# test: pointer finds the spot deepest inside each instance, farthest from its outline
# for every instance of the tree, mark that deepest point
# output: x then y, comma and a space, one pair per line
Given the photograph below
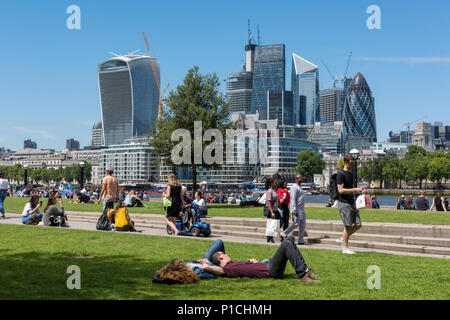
308, 164
415, 152
438, 169
197, 99
393, 171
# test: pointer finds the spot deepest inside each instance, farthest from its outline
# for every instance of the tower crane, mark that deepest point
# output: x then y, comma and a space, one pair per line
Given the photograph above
157, 81
344, 78
408, 126
331, 74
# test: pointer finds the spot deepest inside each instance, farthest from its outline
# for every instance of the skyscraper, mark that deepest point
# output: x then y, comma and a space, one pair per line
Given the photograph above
239, 91
97, 135
28, 144
305, 82
331, 104
129, 96
268, 75
280, 107
359, 112
72, 144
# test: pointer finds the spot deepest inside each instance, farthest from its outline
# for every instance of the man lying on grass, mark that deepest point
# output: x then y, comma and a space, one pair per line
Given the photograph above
275, 267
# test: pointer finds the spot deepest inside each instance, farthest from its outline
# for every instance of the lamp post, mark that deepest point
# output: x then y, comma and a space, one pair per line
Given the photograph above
82, 165
355, 155
25, 168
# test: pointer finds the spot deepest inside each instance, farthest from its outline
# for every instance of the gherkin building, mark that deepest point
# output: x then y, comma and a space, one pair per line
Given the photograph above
359, 111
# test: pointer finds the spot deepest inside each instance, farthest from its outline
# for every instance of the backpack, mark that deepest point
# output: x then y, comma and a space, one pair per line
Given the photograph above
334, 193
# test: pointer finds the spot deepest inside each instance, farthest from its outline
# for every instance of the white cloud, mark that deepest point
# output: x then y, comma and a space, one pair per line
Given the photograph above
411, 60
41, 133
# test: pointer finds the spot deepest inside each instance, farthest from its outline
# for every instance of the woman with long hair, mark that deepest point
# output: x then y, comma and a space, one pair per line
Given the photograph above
439, 202
52, 213
173, 191
31, 214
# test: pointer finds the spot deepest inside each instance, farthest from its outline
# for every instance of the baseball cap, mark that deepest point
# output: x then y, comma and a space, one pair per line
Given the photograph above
110, 169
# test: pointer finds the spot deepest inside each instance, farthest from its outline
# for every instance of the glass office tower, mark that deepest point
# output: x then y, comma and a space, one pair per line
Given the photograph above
359, 111
305, 82
268, 75
129, 97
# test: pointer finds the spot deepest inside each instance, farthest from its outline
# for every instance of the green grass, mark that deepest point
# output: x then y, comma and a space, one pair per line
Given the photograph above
16, 205
34, 261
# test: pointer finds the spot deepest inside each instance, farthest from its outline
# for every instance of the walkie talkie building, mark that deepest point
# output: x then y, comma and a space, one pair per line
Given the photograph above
129, 97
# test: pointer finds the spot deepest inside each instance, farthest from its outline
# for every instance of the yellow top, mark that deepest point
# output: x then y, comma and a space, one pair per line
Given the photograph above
121, 218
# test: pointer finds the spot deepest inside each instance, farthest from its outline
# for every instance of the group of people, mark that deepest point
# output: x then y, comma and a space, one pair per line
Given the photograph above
370, 201
50, 216
422, 203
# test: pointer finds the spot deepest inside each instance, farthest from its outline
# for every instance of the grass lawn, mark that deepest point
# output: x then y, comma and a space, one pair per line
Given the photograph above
16, 205
34, 261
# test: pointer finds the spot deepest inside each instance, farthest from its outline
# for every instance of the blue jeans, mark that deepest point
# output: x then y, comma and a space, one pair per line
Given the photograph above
31, 216
3, 194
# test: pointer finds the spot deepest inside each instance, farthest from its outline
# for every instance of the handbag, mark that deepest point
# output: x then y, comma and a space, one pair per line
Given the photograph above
167, 202
103, 223
272, 227
361, 202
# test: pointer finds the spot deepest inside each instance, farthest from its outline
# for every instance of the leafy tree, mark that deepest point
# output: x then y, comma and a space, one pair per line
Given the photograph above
198, 98
415, 152
393, 171
438, 169
309, 163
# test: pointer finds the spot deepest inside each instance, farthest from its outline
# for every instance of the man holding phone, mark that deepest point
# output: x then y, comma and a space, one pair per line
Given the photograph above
346, 203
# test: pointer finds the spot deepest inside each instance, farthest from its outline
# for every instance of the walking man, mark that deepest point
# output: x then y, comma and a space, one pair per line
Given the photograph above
346, 203
110, 190
5, 188
297, 207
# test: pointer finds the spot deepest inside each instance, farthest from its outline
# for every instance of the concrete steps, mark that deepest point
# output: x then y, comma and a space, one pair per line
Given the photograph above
410, 239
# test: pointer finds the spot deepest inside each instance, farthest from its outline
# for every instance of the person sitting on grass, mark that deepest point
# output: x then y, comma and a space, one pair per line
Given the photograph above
409, 204
274, 267
31, 214
374, 203
82, 198
131, 200
54, 217
122, 221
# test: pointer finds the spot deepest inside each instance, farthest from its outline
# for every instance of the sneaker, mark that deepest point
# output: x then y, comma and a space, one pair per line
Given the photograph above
308, 279
312, 273
339, 240
348, 251
3, 216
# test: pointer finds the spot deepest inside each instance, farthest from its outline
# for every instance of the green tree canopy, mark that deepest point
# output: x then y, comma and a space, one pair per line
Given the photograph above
198, 98
308, 164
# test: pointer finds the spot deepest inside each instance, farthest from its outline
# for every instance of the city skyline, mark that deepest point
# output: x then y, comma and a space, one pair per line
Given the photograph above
63, 101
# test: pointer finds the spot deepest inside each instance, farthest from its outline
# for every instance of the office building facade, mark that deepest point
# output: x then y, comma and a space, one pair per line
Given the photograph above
268, 75
280, 107
129, 97
28, 144
329, 136
331, 104
72, 144
305, 88
132, 161
97, 135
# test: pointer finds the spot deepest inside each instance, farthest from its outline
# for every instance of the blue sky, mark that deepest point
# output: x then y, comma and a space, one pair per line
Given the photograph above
49, 85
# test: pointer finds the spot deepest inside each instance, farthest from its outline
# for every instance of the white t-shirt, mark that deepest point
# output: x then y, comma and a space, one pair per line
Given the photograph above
128, 200
27, 209
201, 203
4, 184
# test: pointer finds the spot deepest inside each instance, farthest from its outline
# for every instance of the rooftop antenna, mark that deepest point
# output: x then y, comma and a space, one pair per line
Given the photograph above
114, 54
249, 33
259, 35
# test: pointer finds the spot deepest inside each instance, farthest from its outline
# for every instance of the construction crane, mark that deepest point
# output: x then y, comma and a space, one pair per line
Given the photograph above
161, 94
408, 126
344, 78
331, 74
